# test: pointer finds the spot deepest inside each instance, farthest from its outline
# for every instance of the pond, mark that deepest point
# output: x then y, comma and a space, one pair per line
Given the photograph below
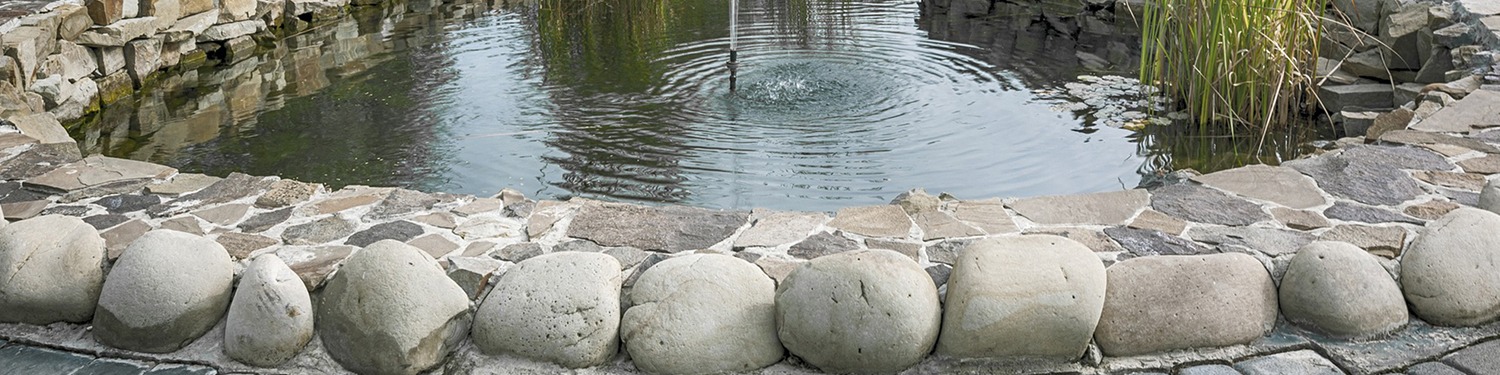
834, 103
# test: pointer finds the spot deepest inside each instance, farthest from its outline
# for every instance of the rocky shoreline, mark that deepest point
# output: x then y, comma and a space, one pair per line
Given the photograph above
1376, 256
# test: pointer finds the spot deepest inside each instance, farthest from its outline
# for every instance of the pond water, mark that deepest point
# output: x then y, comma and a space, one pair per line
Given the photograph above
835, 103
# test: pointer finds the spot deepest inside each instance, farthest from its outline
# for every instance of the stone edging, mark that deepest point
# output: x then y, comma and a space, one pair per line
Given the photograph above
1231, 268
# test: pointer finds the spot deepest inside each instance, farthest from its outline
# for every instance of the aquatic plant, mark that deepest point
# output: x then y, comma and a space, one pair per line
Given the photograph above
1244, 63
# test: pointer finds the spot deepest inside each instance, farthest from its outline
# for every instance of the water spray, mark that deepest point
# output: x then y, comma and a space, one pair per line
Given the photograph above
734, 53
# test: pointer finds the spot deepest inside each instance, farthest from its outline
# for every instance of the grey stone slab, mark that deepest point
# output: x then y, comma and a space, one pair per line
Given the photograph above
1480, 109
102, 222
1093, 238
1208, 370
1483, 358
317, 232
400, 230
98, 174
1271, 241
39, 160
122, 203
1146, 242
1413, 137
1455, 180
1385, 241
400, 202
1299, 219
947, 251
1364, 181
23, 210
1367, 214
1111, 208
578, 245
265, 220
22, 359
1433, 368
674, 228
1280, 185
183, 183
939, 273
1342, 97
1205, 205
105, 366
236, 186
987, 214
874, 221
1403, 157
1305, 362
176, 369
1419, 342
66, 210
820, 244
778, 228
939, 225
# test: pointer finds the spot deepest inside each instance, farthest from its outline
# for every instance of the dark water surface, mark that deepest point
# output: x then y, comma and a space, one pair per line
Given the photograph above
837, 103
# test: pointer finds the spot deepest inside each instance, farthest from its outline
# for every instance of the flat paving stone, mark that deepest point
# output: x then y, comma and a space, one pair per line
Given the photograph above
102, 222
319, 231
673, 229
1419, 342
122, 203
437, 219
314, 264
1364, 181
1271, 241
71, 210
875, 221
400, 202
479, 206
820, 244
332, 205
183, 183
1462, 181
1414, 138
1433, 368
1092, 238
100, 173
1384, 241
1430, 210
947, 251
107, 366
939, 225
1146, 242
21, 359
265, 220
1403, 157
1367, 214
185, 224
779, 228
175, 369
1205, 205
400, 230
223, 215
1303, 362
23, 210
1299, 219
117, 238
986, 214
909, 249
1472, 112
1280, 185
236, 186
1208, 370
434, 244
38, 160
1150, 219
1483, 358
1111, 208
241, 245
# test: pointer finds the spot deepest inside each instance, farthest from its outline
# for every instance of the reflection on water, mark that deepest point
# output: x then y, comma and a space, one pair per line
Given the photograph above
838, 103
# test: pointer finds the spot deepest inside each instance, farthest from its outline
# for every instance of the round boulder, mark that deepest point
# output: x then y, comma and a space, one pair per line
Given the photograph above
561, 307
166, 289
53, 267
1162, 303
1024, 296
1340, 289
1489, 196
270, 318
702, 314
862, 311
391, 310
1451, 273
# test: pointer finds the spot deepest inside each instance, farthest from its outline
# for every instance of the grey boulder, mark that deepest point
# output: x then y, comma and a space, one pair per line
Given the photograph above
700, 314
1451, 273
862, 311
53, 267
270, 318
391, 310
1340, 289
166, 289
1162, 303
561, 307
1025, 296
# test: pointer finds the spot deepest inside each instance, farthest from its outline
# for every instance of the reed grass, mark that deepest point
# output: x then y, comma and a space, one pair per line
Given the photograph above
1244, 63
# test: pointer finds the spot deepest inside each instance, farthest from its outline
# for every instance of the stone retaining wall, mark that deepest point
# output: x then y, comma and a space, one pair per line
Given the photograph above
1374, 257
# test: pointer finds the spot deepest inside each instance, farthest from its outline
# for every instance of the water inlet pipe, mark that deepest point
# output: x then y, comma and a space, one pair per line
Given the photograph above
734, 53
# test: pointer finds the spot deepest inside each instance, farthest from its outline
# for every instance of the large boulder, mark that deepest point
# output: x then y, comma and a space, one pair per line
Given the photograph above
561, 307
1026, 296
701, 314
1161, 303
391, 310
1451, 273
53, 267
167, 289
863, 311
1340, 289
270, 318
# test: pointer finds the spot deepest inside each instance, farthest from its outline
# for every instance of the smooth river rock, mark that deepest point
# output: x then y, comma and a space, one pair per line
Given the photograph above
270, 318
1451, 272
391, 310
53, 267
1025, 296
1163, 303
167, 289
702, 314
1340, 289
1489, 197
863, 311
560, 307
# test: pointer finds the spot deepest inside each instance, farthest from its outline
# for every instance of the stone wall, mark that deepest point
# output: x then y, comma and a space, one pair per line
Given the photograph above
1374, 257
